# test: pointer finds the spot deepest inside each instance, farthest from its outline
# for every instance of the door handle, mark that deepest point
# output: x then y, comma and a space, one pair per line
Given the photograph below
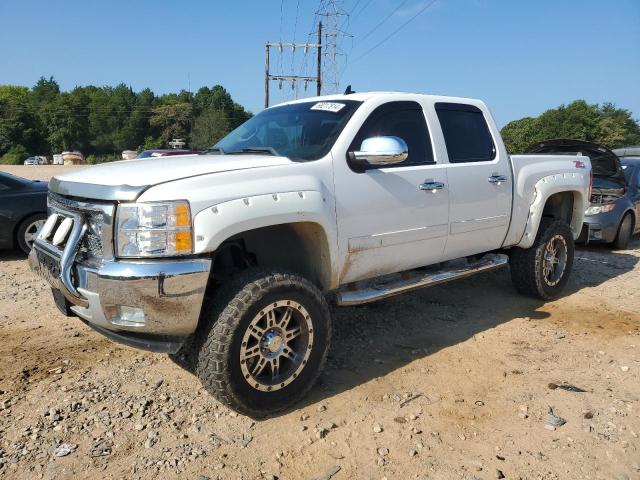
431, 186
497, 179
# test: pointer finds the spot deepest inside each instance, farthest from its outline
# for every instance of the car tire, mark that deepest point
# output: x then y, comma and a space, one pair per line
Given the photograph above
263, 341
27, 230
542, 271
625, 231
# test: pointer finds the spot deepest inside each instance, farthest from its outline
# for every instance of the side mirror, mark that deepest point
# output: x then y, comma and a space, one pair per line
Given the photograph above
380, 151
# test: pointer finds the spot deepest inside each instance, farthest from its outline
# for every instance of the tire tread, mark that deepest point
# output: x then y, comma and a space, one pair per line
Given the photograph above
526, 262
221, 317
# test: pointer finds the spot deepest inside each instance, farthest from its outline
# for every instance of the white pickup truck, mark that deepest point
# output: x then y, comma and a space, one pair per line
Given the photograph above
229, 260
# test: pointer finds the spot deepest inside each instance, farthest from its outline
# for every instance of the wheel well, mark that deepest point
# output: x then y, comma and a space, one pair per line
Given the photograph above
565, 206
633, 219
299, 247
559, 206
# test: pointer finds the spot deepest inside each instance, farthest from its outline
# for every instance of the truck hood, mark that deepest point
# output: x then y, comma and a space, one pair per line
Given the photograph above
126, 180
604, 163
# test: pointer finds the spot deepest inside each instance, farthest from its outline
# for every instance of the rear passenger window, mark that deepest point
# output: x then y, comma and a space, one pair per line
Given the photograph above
399, 119
466, 133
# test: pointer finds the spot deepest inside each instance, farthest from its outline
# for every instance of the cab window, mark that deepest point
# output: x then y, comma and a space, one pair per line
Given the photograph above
466, 133
399, 119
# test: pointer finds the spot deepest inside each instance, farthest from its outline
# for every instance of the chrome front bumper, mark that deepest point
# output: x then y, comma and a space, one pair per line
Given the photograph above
167, 294
153, 304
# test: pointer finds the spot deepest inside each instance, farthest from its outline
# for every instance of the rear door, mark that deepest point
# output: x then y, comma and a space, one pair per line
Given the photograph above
480, 182
395, 217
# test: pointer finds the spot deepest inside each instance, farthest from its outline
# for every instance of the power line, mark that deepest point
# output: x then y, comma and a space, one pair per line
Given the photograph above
295, 31
384, 20
293, 80
312, 31
354, 7
361, 10
280, 38
422, 10
281, 15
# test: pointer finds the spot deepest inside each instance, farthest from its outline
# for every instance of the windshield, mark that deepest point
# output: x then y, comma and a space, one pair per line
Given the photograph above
299, 131
144, 155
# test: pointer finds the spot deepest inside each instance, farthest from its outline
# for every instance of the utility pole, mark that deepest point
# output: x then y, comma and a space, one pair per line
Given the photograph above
319, 74
293, 79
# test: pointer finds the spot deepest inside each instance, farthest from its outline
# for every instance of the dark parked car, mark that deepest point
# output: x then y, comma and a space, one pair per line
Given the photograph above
630, 151
164, 152
23, 210
615, 195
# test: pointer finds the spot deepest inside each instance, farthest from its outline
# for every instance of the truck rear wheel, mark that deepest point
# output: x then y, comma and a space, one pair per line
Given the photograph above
543, 269
264, 343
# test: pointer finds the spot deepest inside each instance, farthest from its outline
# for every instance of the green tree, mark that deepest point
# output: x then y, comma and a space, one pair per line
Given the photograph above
604, 124
61, 127
173, 120
15, 156
45, 90
208, 128
18, 124
102, 121
519, 134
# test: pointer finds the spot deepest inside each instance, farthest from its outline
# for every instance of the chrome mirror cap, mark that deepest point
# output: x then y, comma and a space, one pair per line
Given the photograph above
380, 151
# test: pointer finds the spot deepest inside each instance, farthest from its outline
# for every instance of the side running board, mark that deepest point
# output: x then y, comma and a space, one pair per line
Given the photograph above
395, 284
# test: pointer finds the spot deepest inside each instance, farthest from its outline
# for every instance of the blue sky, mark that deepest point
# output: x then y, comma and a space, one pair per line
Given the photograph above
521, 57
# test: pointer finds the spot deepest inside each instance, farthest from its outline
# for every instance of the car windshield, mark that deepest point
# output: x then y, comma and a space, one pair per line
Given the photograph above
144, 155
299, 131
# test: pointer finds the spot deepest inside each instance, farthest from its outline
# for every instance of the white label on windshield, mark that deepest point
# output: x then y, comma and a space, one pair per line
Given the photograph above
328, 106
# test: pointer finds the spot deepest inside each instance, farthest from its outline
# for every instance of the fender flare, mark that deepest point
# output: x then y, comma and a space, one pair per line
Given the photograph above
545, 188
215, 224
219, 222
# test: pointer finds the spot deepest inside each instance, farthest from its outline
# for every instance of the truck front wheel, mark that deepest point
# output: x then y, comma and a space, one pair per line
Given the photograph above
543, 269
264, 342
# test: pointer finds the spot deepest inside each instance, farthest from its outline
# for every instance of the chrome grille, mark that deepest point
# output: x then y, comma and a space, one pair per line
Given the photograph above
94, 245
90, 245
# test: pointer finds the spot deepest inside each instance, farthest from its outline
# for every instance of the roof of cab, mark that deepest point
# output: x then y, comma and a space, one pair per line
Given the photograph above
364, 96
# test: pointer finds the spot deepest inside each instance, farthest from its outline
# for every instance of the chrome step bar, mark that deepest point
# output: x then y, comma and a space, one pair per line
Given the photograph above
378, 289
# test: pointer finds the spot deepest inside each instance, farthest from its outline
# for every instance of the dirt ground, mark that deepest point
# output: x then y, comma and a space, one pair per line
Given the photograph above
39, 172
451, 382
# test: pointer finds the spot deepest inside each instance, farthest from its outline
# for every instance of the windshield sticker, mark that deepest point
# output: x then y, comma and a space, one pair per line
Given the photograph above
328, 107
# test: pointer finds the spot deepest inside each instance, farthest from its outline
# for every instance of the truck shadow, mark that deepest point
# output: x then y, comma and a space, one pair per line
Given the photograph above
369, 341
9, 255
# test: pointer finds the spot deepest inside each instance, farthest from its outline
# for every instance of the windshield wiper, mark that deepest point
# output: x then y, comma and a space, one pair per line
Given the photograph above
269, 150
214, 149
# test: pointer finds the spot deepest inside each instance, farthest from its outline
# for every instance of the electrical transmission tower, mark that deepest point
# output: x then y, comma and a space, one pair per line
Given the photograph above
333, 14
293, 80
331, 20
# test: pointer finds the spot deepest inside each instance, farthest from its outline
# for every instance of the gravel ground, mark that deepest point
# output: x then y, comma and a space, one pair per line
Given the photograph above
453, 382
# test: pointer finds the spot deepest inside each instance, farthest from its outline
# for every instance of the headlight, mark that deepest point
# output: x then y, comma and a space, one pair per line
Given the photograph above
157, 229
596, 209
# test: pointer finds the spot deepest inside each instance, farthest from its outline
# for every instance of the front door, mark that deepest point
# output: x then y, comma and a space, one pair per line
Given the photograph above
396, 217
479, 182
